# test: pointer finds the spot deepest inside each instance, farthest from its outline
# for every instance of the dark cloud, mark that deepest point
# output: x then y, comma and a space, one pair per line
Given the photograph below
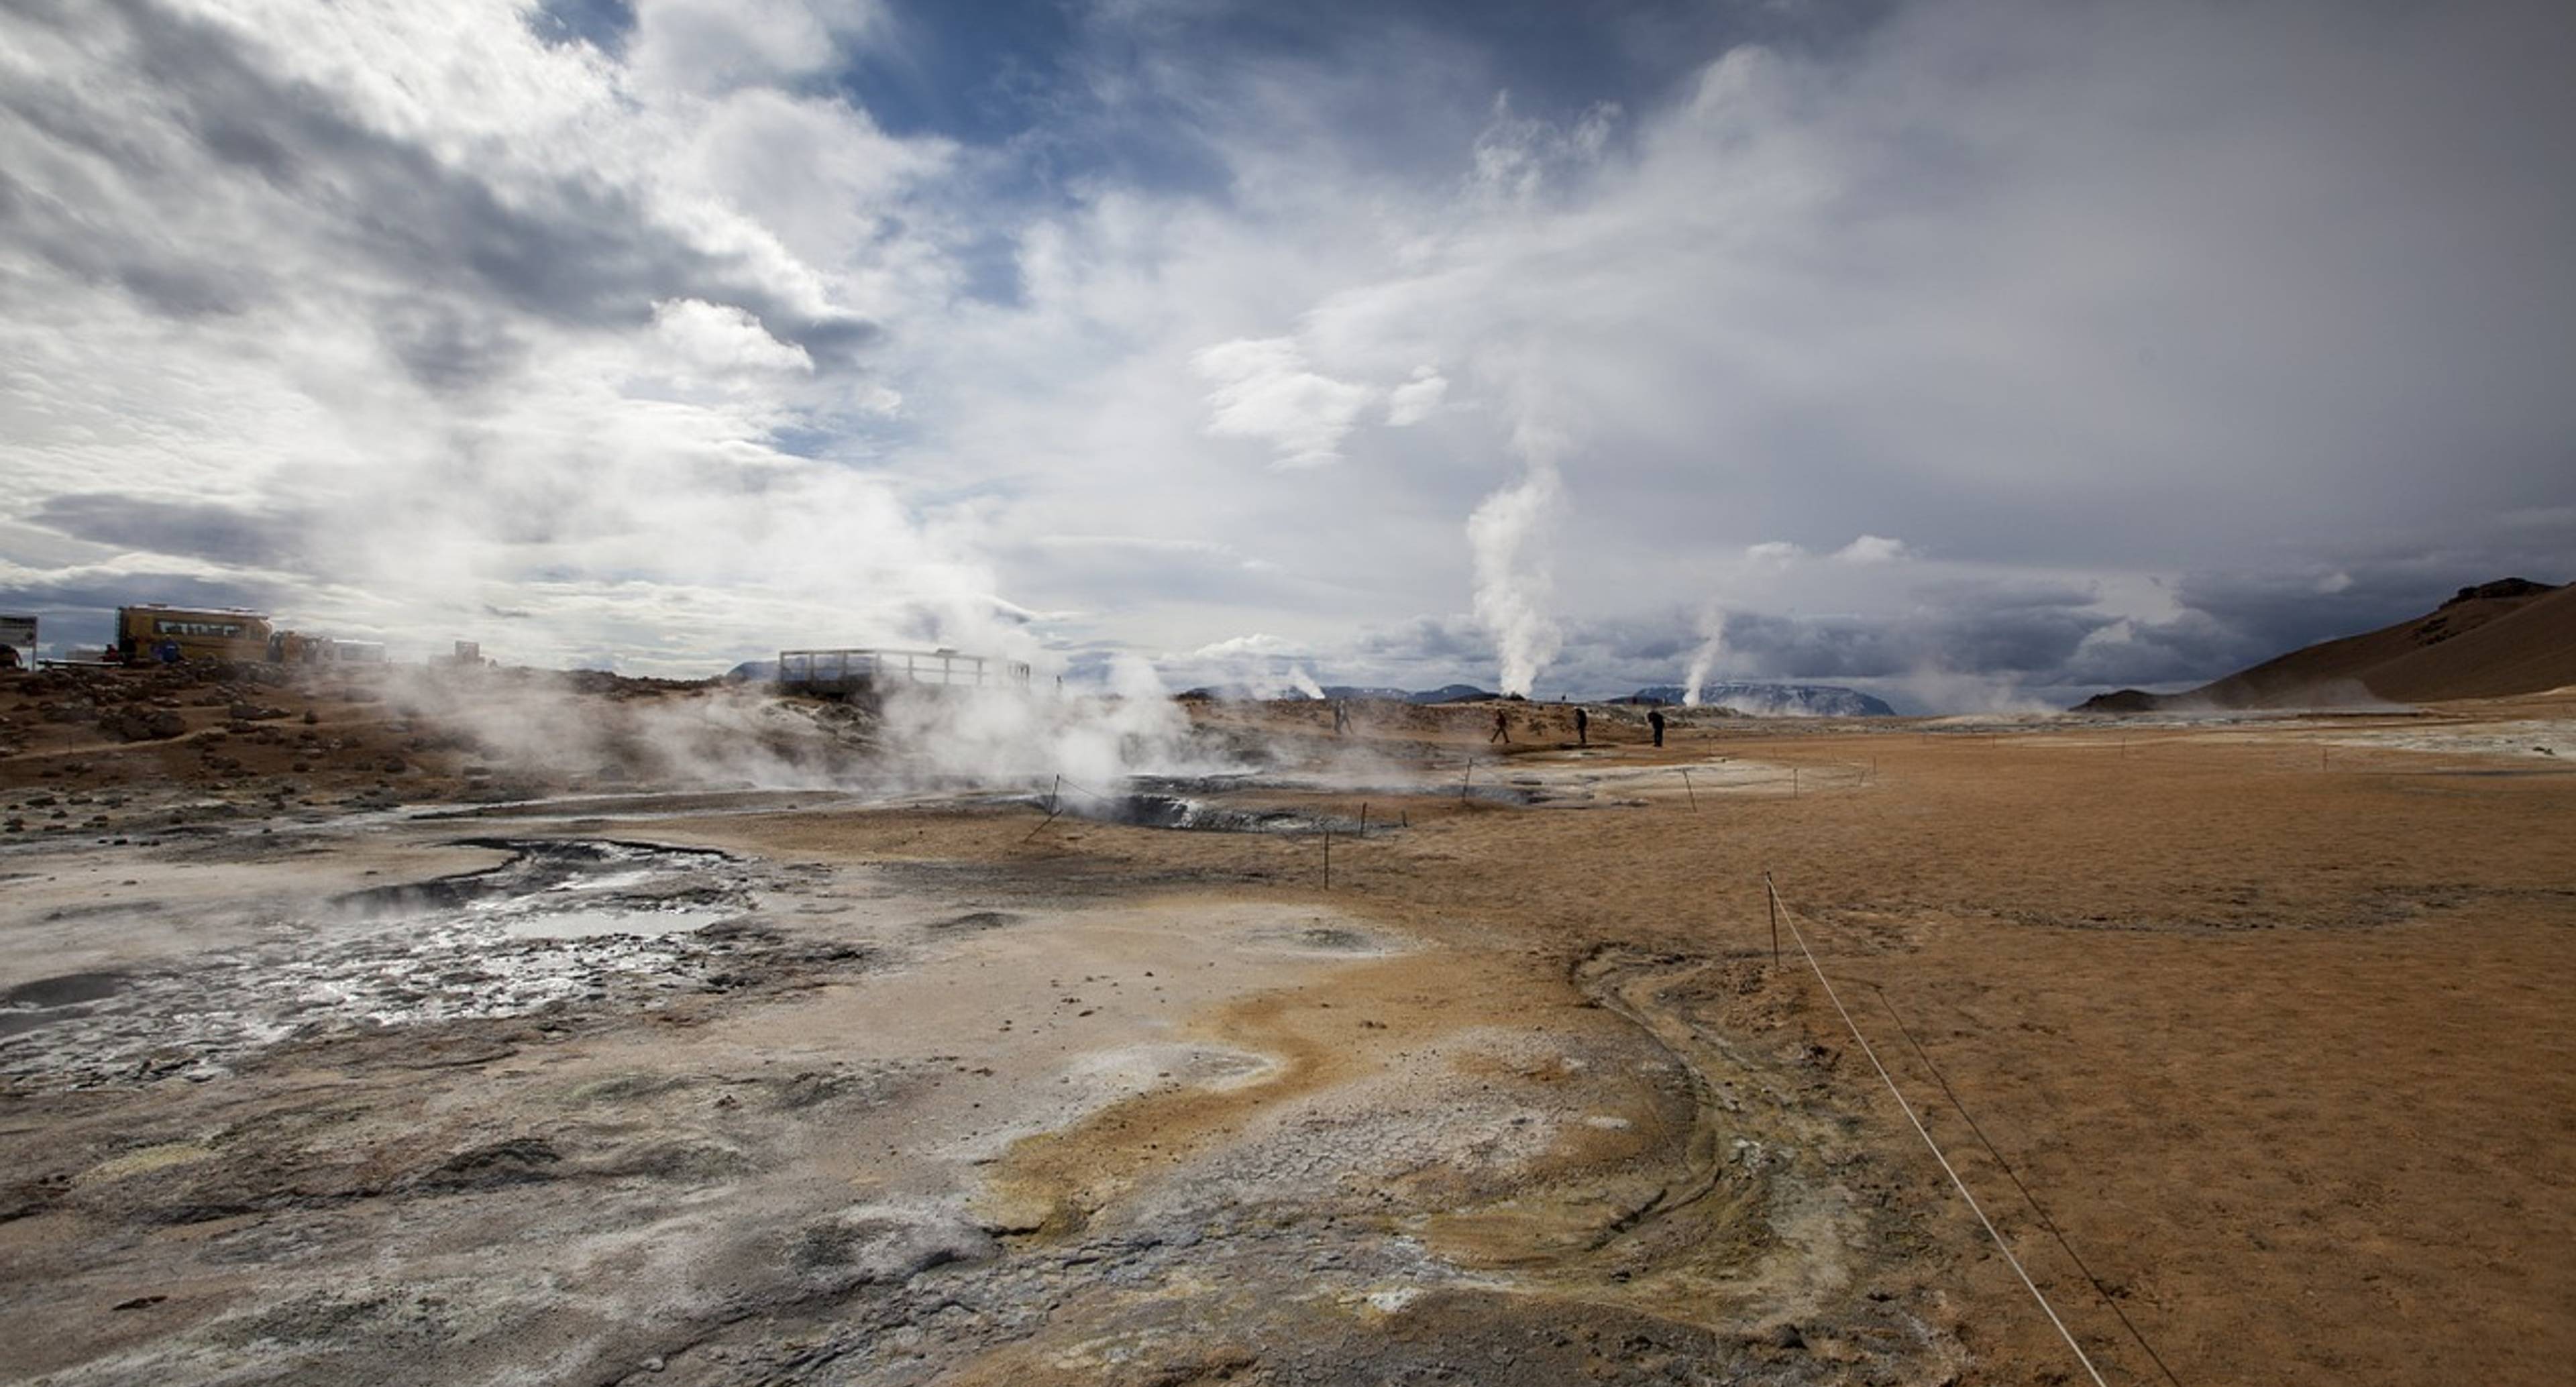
1427, 639
277, 539
578, 251
2278, 612
448, 349
80, 609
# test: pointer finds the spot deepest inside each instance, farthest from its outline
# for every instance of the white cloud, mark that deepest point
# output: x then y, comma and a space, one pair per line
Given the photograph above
1258, 644
1873, 549
1264, 390
1969, 275
721, 339
1417, 399
713, 46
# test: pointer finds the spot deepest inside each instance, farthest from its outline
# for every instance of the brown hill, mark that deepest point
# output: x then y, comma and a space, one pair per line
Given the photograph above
2512, 636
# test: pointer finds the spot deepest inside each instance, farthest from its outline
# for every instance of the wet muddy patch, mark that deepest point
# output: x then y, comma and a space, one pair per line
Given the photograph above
561, 924
1186, 814
1327, 941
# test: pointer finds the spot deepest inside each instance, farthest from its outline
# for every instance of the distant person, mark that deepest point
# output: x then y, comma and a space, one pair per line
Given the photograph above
1582, 729
1655, 720
8, 657
1341, 717
167, 652
1502, 728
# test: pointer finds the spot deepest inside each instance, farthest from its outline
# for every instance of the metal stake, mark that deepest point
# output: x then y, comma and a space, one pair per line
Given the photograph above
1772, 895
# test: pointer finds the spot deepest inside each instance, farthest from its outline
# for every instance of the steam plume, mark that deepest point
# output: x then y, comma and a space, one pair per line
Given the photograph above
1513, 580
1712, 630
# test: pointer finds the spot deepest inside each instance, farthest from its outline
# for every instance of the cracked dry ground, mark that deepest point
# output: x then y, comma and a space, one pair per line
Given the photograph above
1520, 1099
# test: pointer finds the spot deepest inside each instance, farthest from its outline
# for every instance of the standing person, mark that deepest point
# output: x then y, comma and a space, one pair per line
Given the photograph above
1655, 720
1582, 728
1502, 728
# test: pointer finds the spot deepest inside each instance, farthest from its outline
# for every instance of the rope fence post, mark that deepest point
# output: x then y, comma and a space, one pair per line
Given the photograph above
1771, 895
1686, 789
1328, 859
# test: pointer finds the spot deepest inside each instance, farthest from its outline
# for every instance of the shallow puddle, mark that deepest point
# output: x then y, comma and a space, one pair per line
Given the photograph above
596, 922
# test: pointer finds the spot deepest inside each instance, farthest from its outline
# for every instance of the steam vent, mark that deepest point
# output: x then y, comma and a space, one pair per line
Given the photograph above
1222, 693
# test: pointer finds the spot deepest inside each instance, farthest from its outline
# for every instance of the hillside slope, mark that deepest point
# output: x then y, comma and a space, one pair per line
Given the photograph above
2497, 639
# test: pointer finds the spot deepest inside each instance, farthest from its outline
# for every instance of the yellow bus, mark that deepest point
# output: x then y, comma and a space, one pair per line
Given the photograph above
197, 633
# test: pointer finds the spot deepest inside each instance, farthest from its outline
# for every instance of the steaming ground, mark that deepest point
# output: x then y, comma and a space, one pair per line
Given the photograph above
673, 1034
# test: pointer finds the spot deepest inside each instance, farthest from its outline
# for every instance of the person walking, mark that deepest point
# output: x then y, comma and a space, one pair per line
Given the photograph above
1502, 728
1582, 729
1655, 720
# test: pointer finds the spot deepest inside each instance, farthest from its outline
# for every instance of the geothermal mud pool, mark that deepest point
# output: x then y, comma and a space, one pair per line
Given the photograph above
561, 921
336, 1103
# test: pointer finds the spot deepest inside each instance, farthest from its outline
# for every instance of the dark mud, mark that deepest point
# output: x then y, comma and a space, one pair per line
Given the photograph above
589, 923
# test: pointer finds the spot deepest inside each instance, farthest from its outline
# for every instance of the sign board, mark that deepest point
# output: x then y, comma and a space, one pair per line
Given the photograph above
17, 630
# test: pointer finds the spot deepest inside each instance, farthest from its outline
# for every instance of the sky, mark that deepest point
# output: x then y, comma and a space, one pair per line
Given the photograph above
1975, 353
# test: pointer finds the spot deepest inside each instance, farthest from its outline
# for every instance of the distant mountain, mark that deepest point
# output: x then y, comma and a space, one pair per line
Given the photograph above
2511, 636
1451, 693
1356, 691
1242, 693
1774, 700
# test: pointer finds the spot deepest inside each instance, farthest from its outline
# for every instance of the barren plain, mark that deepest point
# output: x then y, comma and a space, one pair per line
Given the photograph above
336, 1048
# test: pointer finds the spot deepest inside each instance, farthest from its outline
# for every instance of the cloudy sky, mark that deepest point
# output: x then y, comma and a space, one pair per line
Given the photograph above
1966, 352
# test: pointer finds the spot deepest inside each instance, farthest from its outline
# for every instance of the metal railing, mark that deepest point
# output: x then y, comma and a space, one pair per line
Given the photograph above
862, 668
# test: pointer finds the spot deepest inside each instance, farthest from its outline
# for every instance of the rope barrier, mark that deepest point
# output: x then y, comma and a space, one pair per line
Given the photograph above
2015, 1176
1920, 1130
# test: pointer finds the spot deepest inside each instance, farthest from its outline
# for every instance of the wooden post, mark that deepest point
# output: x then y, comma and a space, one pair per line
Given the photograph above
1364, 818
1771, 896
1793, 782
1465, 779
1052, 791
1328, 859
1686, 789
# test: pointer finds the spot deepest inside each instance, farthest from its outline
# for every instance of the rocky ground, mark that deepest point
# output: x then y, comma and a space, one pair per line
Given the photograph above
542, 1057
